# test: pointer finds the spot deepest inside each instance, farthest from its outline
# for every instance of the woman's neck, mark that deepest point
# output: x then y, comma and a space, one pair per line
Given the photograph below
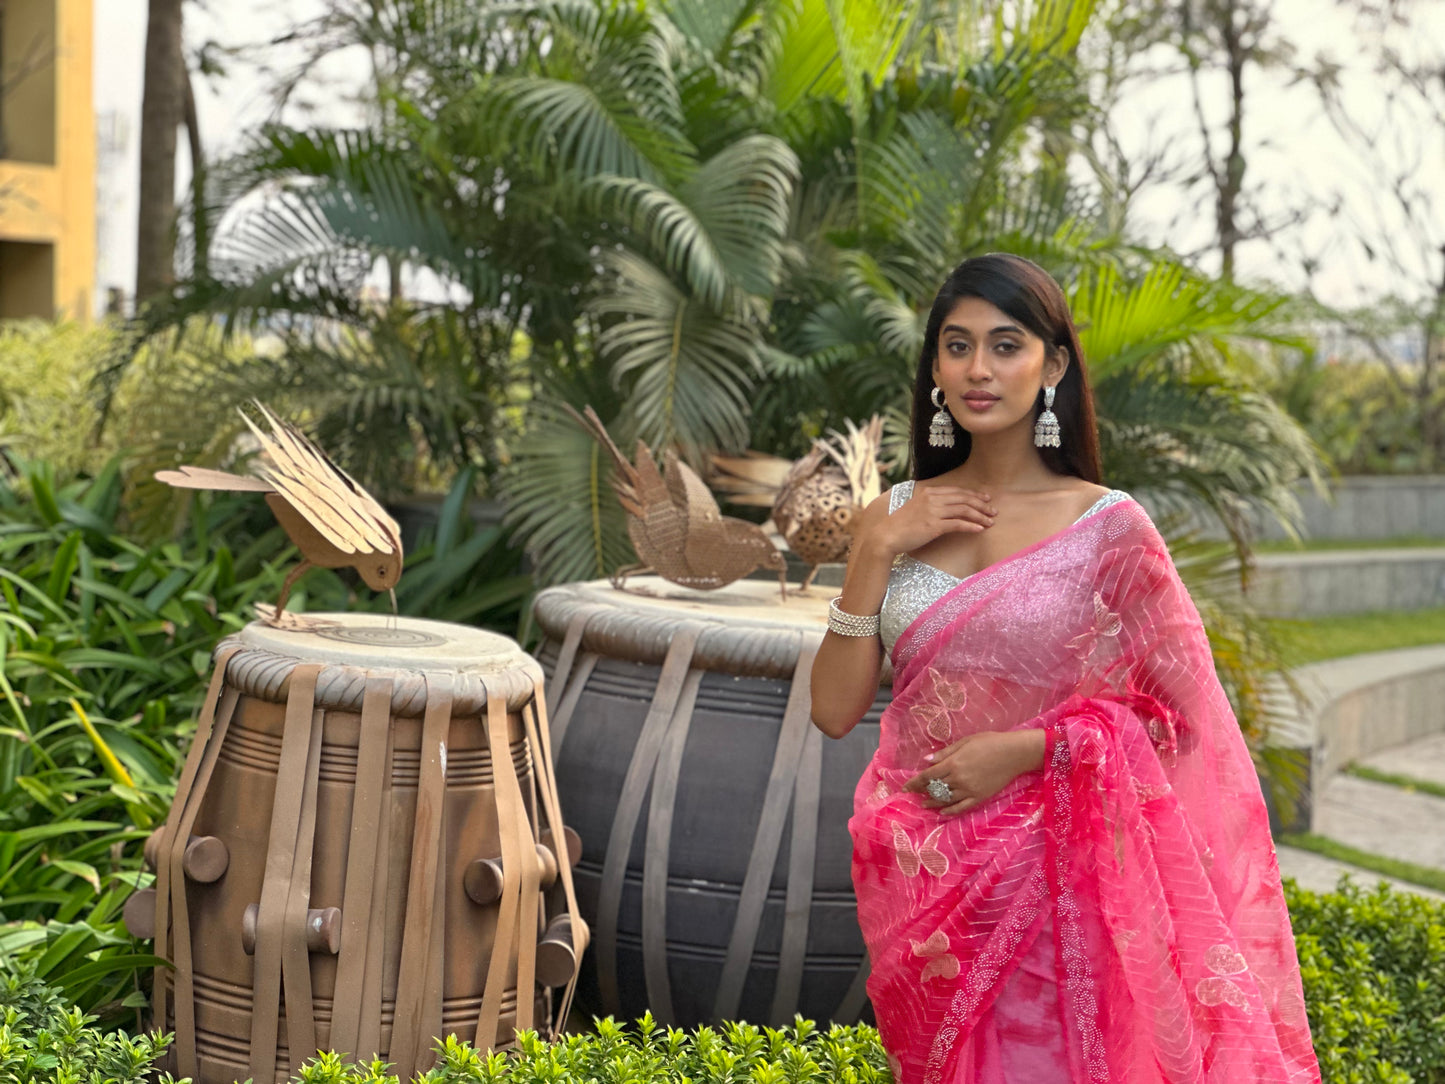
1003, 463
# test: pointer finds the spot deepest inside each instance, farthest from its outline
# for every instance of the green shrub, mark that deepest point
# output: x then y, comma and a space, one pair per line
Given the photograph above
1363, 413
104, 649
1373, 964
46, 405
648, 1054
51, 395
45, 1041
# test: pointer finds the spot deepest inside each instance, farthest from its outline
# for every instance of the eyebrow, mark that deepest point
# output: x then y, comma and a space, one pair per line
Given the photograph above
1003, 330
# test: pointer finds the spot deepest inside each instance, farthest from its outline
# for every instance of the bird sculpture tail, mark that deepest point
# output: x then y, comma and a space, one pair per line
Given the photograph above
857, 453
625, 480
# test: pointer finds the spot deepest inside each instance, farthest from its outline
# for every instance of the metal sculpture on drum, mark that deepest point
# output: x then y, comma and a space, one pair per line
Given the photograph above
814, 499
716, 855
332, 520
366, 850
674, 522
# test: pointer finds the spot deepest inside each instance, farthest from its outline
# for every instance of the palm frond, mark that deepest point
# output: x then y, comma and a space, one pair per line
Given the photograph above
329, 204
560, 502
602, 97
1204, 444
688, 369
829, 49
709, 24
1128, 323
724, 229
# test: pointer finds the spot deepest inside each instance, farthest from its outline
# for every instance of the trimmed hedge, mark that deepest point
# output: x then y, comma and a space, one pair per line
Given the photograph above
732, 1054
1373, 964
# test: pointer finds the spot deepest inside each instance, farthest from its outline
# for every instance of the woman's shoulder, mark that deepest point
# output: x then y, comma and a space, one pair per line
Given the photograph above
1126, 517
1095, 498
898, 494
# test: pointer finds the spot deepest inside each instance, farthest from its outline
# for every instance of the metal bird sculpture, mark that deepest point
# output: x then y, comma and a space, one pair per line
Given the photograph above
674, 522
323, 510
815, 499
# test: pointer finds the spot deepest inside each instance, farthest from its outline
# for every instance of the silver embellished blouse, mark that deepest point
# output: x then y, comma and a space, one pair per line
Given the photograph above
915, 585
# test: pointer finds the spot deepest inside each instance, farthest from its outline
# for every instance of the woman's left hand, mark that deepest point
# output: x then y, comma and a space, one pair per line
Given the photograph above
979, 766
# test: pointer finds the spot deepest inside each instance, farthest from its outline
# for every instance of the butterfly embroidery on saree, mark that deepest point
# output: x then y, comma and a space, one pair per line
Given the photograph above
924, 856
941, 964
940, 700
1096, 646
1220, 988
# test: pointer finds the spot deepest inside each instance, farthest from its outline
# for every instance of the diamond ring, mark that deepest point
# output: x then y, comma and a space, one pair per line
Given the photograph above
940, 791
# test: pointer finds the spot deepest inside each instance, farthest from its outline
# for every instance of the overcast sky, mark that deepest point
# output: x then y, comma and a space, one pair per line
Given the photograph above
1294, 152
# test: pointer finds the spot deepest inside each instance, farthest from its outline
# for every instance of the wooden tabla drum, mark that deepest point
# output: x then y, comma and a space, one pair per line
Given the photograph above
365, 853
716, 860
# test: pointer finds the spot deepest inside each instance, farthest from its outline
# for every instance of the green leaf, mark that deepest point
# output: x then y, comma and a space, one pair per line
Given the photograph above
162, 592
42, 492
102, 658
79, 869
67, 558
559, 499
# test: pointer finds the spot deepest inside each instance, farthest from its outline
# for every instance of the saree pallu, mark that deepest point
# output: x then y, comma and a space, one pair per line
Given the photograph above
1115, 916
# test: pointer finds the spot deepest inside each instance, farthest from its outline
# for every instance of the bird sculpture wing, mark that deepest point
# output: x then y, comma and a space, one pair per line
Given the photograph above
650, 490
330, 500
205, 478
663, 524
689, 492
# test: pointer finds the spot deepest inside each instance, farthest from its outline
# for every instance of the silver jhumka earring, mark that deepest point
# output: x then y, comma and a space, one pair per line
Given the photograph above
1046, 429
940, 430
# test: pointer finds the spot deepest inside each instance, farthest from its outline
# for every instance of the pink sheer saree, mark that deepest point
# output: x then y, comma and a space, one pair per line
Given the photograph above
1116, 916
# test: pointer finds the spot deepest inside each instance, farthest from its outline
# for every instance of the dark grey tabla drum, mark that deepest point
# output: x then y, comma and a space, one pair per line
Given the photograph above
715, 868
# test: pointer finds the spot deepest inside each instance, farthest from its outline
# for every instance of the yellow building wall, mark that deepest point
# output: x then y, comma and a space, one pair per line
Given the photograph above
47, 160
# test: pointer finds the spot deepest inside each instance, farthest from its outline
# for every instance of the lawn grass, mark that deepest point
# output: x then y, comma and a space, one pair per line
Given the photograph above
1409, 872
1315, 545
1394, 779
1318, 638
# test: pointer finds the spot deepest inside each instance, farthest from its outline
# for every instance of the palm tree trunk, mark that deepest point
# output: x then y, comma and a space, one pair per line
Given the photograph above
200, 218
162, 109
1233, 172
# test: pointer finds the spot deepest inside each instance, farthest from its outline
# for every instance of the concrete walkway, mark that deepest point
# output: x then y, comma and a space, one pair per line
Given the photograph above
1379, 818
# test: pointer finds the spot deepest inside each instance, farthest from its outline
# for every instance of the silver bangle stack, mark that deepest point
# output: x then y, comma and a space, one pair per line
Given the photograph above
846, 624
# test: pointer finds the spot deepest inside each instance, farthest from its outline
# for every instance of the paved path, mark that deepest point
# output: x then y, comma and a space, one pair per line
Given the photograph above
1321, 874
1424, 759
1379, 818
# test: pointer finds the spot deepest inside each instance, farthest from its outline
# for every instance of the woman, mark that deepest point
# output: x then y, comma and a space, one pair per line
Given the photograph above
1061, 853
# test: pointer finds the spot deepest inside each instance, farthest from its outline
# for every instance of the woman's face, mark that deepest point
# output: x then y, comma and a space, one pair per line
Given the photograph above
991, 368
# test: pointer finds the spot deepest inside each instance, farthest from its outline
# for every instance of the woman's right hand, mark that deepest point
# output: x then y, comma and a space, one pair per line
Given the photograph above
931, 511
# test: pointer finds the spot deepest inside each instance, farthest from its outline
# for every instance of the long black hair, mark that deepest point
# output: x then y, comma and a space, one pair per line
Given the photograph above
1027, 294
